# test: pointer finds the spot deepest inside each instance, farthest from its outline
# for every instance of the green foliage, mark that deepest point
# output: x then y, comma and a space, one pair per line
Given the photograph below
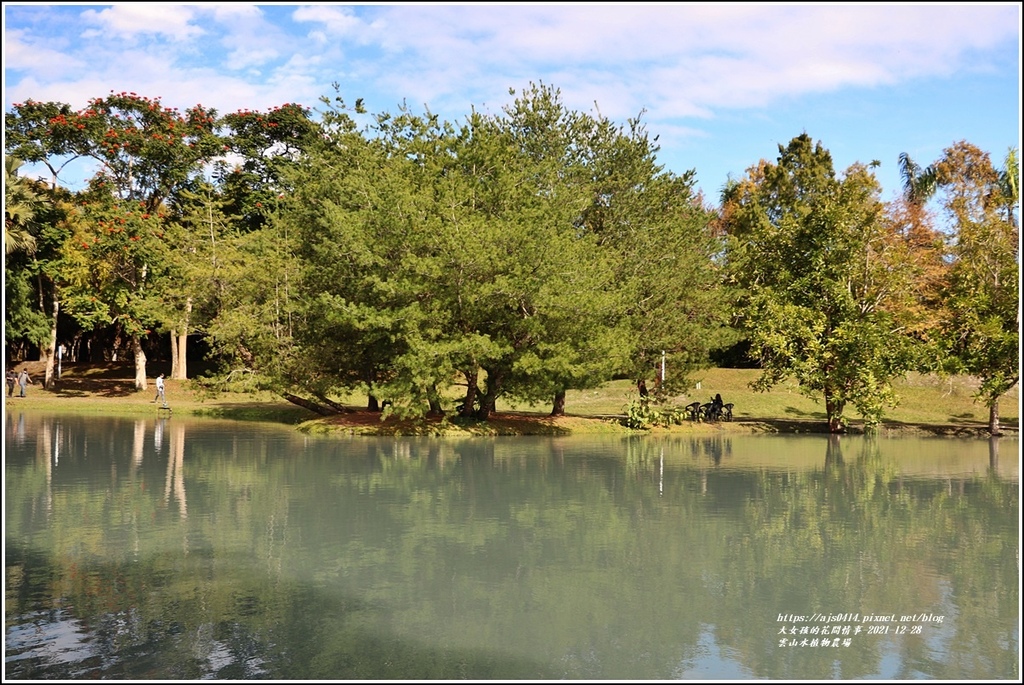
827, 286
665, 253
22, 317
34, 271
641, 415
433, 251
521, 254
21, 204
268, 143
980, 329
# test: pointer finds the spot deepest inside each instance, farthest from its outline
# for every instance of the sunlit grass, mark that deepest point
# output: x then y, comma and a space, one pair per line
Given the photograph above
923, 400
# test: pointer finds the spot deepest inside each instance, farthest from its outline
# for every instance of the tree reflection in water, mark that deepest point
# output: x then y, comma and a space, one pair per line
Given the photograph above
508, 558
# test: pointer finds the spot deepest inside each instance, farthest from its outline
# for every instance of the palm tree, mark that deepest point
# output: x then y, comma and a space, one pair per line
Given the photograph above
21, 203
918, 184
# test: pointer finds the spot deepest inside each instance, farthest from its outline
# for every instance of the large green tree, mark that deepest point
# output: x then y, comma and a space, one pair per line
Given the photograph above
827, 285
665, 255
981, 316
24, 315
227, 242
522, 254
539, 180
341, 338
436, 252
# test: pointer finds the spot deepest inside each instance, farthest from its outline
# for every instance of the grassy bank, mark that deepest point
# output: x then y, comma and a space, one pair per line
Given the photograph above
928, 405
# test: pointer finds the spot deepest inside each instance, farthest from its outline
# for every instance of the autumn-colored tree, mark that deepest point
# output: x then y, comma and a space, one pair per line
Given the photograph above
914, 223
980, 322
112, 266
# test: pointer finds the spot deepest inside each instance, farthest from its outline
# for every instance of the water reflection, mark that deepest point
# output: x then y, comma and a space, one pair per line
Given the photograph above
175, 469
177, 549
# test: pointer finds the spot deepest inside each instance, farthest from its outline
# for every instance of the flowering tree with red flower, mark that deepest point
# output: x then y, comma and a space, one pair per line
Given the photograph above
263, 145
144, 154
115, 265
144, 150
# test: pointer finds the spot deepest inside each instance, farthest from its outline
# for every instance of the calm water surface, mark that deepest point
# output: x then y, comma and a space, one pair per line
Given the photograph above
199, 549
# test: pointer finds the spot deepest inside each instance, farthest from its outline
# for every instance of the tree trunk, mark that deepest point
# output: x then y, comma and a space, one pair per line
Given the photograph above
140, 363
834, 412
434, 402
558, 405
993, 418
51, 348
486, 407
174, 353
179, 370
489, 399
328, 402
116, 344
182, 364
372, 404
472, 390
306, 404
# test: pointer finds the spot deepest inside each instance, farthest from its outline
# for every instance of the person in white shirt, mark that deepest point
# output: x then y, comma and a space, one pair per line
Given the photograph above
160, 390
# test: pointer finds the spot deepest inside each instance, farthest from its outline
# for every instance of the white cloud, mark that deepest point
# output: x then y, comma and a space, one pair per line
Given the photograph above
22, 52
250, 39
335, 20
677, 61
229, 13
144, 18
705, 55
250, 56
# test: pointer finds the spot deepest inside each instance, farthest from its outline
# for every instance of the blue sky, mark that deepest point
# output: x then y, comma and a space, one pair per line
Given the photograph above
722, 85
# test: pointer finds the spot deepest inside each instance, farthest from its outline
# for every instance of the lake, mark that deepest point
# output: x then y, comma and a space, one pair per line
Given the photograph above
181, 548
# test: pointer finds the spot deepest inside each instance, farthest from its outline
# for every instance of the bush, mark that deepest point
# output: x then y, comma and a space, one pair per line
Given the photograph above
640, 415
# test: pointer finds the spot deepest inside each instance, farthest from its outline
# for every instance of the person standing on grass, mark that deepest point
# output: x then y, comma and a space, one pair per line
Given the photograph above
12, 379
23, 380
160, 390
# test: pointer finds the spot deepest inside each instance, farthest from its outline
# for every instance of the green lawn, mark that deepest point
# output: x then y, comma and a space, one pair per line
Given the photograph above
922, 399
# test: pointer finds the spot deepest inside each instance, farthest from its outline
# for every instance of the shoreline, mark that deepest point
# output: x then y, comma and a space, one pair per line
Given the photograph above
934, 407
361, 422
